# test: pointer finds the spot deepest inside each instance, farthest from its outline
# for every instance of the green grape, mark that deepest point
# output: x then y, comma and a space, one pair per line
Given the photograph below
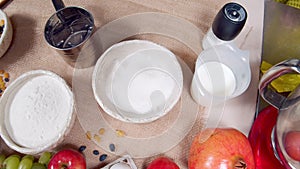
26, 163
10, 157
38, 166
28, 156
2, 158
12, 162
45, 158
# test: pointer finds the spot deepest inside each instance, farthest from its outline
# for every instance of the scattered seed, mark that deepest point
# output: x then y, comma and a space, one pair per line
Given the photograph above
4, 78
6, 75
88, 135
102, 157
96, 152
101, 131
1, 26
2, 22
120, 133
82, 148
97, 138
112, 147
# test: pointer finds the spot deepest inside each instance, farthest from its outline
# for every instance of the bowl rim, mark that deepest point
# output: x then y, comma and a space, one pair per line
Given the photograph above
5, 30
101, 61
22, 79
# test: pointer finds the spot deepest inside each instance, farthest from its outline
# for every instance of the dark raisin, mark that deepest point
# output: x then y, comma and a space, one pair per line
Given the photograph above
112, 147
82, 148
96, 152
102, 157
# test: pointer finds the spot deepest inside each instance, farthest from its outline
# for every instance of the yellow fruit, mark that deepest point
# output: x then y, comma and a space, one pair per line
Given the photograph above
284, 83
294, 3
281, 1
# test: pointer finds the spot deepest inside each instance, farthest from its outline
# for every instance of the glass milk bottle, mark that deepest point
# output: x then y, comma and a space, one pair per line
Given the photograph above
222, 70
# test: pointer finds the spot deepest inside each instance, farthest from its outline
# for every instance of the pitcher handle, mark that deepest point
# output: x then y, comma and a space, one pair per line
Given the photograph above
272, 97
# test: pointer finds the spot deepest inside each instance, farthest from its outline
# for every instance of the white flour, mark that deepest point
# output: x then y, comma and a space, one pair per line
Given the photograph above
39, 112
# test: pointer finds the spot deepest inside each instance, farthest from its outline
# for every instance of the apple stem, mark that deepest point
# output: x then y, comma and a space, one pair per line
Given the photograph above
240, 164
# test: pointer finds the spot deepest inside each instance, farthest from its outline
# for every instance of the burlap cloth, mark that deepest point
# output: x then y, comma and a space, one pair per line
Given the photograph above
29, 51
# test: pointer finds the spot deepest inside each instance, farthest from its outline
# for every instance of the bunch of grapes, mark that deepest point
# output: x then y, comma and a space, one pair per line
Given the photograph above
26, 162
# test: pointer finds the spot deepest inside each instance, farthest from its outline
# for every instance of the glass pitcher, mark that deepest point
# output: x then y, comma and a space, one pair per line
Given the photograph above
286, 132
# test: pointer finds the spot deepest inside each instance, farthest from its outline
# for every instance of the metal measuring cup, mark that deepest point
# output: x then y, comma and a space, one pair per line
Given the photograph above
68, 29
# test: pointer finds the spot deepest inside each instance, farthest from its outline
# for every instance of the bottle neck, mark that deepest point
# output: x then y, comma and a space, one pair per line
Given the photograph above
210, 39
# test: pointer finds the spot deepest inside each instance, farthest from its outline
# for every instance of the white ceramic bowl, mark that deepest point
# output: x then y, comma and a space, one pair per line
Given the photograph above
36, 112
137, 81
6, 36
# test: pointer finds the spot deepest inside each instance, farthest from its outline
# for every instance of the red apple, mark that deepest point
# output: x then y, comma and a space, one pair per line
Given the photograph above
67, 159
163, 163
221, 148
292, 144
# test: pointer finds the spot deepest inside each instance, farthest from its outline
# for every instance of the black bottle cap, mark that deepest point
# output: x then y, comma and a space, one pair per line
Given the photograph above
229, 21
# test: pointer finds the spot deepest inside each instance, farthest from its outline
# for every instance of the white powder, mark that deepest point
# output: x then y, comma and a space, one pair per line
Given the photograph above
39, 112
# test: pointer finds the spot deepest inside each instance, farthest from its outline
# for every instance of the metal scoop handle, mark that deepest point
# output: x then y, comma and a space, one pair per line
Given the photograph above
58, 4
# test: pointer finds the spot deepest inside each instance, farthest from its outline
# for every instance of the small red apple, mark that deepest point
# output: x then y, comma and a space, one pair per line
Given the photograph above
221, 148
292, 144
67, 159
163, 163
